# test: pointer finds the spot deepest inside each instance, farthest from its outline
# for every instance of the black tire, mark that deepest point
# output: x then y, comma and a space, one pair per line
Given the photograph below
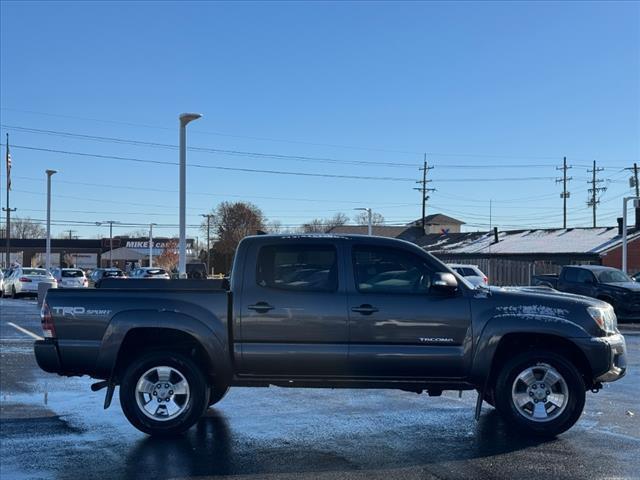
217, 393
193, 408
574, 383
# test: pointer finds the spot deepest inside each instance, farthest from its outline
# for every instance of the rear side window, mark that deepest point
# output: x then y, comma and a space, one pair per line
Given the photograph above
571, 274
72, 273
467, 272
308, 268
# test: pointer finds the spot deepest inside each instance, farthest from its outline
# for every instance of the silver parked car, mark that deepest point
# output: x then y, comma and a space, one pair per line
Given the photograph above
70, 278
25, 281
150, 272
471, 273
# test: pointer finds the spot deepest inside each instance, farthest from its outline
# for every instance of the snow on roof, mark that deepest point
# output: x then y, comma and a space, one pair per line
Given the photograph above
569, 240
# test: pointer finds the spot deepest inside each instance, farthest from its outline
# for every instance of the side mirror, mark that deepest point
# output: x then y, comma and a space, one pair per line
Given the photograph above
444, 282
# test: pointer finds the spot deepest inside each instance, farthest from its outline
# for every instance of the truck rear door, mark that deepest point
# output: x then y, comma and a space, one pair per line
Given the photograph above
398, 326
293, 315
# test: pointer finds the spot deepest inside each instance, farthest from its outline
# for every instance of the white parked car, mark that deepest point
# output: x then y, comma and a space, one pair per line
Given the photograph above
70, 278
150, 272
1, 283
471, 273
25, 281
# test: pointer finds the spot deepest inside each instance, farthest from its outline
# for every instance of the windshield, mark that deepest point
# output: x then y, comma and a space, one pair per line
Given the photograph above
72, 273
113, 273
155, 271
613, 276
34, 271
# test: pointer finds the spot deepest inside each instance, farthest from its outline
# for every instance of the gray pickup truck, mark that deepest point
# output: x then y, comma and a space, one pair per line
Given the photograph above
334, 312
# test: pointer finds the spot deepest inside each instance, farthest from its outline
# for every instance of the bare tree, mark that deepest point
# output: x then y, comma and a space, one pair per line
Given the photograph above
232, 221
25, 228
322, 225
168, 259
362, 218
275, 226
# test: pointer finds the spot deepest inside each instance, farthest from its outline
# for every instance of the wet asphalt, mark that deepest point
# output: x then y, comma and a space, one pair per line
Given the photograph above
55, 427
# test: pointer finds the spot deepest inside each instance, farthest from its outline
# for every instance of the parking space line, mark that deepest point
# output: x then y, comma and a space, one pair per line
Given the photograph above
25, 331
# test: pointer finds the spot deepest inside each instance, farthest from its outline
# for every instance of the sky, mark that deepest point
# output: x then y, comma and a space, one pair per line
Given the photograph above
350, 94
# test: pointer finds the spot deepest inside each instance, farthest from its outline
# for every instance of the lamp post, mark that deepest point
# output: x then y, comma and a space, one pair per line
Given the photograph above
636, 202
151, 244
49, 173
370, 225
185, 118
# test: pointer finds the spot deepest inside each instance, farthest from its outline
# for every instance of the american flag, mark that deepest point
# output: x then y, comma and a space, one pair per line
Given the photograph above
8, 167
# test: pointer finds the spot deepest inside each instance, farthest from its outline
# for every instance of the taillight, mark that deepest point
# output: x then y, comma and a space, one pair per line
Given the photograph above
46, 320
25, 280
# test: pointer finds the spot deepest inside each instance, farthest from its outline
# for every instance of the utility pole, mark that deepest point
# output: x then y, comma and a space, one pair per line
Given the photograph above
424, 190
633, 183
208, 216
564, 194
595, 190
110, 222
71, 232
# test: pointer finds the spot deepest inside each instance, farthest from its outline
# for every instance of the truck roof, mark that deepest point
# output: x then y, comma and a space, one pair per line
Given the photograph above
591, 267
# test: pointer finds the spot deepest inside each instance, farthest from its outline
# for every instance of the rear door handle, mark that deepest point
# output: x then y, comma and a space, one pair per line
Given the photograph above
365, 309
261, 307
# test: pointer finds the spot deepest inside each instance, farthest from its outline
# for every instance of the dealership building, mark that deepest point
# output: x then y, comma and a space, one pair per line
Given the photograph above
89, 253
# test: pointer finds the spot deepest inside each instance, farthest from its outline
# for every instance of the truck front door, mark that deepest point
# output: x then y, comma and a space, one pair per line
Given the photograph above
399, 326
293, 314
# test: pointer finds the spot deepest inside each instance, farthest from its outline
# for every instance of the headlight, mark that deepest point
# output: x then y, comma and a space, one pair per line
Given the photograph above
605, 317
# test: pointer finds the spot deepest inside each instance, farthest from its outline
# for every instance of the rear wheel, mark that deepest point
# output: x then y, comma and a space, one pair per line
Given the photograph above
163, 393
540, 392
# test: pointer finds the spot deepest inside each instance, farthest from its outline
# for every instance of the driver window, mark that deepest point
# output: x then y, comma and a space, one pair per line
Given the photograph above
387, 270
585, 276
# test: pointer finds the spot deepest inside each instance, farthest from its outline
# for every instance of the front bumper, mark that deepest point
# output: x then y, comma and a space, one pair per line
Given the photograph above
47, 356
615, 349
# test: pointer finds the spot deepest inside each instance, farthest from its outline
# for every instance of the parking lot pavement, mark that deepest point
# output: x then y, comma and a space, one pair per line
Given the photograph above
55, 427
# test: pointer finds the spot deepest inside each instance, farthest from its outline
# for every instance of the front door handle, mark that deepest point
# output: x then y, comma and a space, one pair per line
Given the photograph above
261, 307
365, 309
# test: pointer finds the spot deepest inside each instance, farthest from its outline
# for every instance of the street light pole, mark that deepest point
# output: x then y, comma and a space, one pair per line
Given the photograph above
185, 118
49, 173
370, 219
636, 201
151, 244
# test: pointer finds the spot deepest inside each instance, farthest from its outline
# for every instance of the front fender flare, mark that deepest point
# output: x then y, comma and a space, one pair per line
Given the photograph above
500, 325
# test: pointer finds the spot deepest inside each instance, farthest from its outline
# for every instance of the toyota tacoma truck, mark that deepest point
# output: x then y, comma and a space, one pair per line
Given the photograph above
333, 312
604, 283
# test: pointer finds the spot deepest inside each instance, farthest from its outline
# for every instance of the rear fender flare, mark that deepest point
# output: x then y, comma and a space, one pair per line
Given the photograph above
121, 324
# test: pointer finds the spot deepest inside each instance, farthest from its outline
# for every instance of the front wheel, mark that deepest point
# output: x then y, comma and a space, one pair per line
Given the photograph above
217, 393
163, 393
540, 392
